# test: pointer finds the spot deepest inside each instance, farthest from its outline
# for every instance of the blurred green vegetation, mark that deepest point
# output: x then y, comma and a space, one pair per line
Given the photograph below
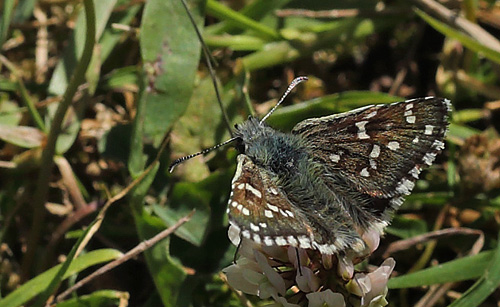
91, 90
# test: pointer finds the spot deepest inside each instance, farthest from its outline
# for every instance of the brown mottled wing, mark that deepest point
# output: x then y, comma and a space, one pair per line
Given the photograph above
379, 149
260, 210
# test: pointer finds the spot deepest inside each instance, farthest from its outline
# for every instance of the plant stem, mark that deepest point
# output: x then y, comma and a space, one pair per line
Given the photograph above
47, 161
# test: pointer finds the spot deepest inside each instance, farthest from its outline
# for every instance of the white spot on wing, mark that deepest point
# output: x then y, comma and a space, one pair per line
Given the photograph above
291, 240
283, 213
364, 172
272, 207
405, 186
325, 249
371, 114
245, 211
415, 172
237, 174
256, 238
263, 225
245, 234
304, 242
254, 227
428, 129
393, 145
438, 144
415, 140
362, 130
411, 119
375, 151
280, 240
254, 191
334, 158
268, 214
268, 241
429, 158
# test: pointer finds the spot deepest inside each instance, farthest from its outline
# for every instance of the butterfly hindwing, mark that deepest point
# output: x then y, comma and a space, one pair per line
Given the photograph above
260, 210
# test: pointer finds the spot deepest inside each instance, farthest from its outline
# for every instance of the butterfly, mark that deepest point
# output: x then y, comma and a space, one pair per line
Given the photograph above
332, 178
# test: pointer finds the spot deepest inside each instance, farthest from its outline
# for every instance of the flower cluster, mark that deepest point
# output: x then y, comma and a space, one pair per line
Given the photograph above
295, 277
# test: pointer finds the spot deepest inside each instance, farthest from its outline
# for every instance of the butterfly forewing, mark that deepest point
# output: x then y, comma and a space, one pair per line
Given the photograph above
262, 212
379, 149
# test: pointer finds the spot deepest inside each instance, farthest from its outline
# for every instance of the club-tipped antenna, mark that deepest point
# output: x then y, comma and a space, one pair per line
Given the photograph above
204, 151
209, 59
292, 85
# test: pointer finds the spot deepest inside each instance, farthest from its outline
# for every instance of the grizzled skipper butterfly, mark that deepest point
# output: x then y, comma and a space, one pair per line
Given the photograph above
332, 178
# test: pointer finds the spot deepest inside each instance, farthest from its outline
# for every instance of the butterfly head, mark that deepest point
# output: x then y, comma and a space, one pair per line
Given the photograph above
247, 132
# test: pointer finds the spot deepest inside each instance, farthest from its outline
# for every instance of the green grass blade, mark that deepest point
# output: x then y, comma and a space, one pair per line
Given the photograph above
222, 12
484, 287
36, 285
457, 270
466, 40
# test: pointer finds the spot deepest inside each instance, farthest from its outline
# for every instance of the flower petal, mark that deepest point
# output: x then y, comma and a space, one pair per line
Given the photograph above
372, 239
308, 281
327, 297
275, 278
235, 279
345, 267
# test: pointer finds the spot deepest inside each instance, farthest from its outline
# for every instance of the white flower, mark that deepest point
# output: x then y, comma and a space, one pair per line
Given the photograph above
295, 277
372, 287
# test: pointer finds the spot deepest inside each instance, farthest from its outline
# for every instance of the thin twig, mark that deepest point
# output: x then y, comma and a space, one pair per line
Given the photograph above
405, 244
141, 247
340, 13
453, 19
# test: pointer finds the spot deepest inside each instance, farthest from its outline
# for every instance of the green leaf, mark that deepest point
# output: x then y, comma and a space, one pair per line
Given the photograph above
340, 34
187, 196
98, 298
110, 37
166, 273
10, 113
70, 126
457, 270
458, 133
202, 126
170, 51
7, 8
486, 285
255, 10
35, 286
237, 19
466, 40
73, 51
22, 136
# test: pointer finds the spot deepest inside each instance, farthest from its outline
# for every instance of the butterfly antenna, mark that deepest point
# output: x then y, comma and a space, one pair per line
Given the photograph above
204, 151
292, 85
209, 59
